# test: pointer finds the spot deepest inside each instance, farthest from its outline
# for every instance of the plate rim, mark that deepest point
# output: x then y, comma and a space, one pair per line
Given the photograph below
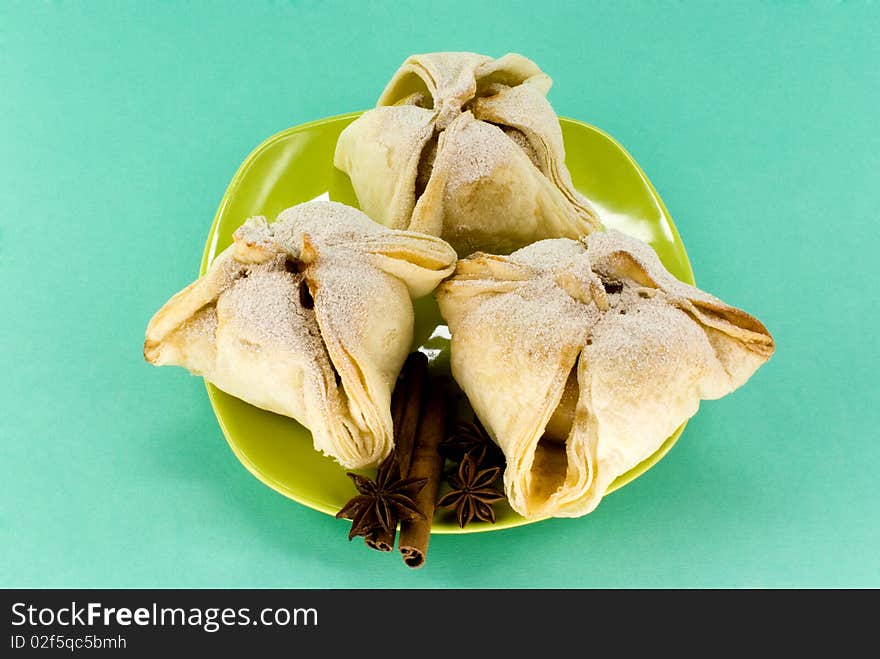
210, 251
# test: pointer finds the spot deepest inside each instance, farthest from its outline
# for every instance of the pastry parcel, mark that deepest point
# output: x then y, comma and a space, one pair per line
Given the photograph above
310, 317
581, 357
468, 148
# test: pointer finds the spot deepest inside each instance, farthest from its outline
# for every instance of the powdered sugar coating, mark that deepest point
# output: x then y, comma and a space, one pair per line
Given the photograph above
496, 179
644, 347
310, 317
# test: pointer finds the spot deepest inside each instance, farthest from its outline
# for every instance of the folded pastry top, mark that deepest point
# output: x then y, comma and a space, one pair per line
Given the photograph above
311, 318
582, 357
466, 147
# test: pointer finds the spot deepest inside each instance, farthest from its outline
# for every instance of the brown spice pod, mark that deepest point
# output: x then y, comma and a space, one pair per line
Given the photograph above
414, 375
426, 463
406, 405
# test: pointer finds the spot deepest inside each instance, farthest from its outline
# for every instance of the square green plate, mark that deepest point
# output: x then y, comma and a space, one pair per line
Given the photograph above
296, 165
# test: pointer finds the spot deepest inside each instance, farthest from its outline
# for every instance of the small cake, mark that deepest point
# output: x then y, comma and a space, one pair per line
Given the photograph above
310, 317
468, 148
581, 357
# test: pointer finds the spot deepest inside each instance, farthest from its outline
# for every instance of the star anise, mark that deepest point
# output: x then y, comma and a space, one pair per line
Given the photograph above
473, 492
382, 503
471, 438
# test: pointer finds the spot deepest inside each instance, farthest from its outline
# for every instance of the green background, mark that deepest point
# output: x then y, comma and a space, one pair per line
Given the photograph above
120, 128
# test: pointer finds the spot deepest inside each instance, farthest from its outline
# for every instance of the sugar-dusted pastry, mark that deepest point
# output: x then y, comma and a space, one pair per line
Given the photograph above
468, 148
582, 357
310, 317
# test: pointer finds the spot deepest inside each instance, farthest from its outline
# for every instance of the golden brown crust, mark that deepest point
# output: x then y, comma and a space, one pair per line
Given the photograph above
310, 318
582, 357
467, 148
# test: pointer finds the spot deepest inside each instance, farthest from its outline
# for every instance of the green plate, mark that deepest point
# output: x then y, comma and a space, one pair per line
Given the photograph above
296, 165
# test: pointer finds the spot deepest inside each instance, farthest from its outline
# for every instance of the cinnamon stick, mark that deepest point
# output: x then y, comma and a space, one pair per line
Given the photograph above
426, 463
398, 403
406, 405
380, 540
414, 373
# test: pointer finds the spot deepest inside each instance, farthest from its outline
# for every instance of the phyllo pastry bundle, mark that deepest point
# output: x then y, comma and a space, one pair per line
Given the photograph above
582, 357
468, 148
310, 317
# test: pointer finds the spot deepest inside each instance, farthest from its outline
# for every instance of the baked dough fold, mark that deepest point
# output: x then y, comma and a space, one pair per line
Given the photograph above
310, 317
468, 148
581, 357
